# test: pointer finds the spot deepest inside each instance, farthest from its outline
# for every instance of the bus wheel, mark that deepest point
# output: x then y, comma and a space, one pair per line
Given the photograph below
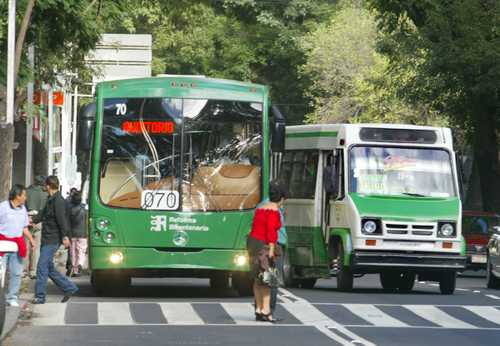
243, 284
219, 281
109, 282
344, 273
448, 282
389, 281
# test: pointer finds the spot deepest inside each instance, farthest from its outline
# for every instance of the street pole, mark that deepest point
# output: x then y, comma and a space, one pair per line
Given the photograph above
11, 55
29, 121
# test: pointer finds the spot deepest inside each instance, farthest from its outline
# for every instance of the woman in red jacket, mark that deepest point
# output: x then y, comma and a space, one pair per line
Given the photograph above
261, 247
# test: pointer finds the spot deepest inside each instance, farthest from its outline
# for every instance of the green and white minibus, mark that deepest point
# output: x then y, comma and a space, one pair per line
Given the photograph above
372, 198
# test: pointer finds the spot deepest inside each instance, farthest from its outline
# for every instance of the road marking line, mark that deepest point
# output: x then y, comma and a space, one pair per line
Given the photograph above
461, 289
306, 313
437, 316
374, 315
475, 291
492, 296
49, 314
241, 313
114, 313
180, 313
486, 312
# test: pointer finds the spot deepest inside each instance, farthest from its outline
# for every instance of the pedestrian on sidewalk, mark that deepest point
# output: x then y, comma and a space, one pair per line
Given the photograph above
78, 248
55, 230
14, 223
261, 245
37, 198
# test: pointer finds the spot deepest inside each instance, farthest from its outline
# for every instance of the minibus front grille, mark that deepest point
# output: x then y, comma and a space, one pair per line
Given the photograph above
396, 231
422, 232
420, 229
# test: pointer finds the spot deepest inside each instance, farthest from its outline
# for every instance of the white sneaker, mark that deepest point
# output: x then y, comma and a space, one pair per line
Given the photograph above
13, 304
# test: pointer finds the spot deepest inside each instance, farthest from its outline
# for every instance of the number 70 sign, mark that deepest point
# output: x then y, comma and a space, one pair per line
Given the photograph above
160, 200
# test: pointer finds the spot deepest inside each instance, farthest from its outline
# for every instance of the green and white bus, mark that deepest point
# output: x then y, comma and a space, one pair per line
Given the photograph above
368, 198
177, 167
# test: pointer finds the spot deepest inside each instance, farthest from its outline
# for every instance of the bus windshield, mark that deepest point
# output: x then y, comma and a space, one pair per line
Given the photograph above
180, 154
418, 172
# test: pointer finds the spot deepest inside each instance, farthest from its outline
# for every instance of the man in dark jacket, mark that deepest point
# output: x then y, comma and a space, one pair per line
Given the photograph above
55, 230
37, 198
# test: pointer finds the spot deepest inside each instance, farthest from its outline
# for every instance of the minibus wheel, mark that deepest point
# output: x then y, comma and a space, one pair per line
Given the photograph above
219, 281
288, 279
307, 283
406, 282
242, 283
448, 282
389, 281
344, 273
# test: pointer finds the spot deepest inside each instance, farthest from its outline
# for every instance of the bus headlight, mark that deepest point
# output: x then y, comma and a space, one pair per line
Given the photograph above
108, 238
240, 260
102, 224
371, 226
446, 229
116, 258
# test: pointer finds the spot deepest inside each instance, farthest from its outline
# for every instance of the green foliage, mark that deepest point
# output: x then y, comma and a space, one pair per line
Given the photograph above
350, 79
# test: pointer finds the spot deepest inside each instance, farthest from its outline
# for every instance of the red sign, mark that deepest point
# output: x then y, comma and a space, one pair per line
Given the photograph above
154, 127
40, 97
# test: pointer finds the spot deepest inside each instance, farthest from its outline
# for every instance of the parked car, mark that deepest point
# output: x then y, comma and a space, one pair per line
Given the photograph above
493, 262
477, 228
5, 246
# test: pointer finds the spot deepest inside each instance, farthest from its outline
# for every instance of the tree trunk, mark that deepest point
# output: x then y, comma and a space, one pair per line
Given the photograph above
22, 35
486, 156
6, 140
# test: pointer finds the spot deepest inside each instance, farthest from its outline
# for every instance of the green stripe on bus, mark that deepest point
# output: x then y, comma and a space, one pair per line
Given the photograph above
311, 134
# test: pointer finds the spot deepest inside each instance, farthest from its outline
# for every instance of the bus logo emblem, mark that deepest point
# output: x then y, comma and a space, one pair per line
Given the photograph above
158, 223
180, 238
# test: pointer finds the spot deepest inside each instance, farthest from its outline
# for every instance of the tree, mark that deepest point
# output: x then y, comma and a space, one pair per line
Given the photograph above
454, 47
350, 80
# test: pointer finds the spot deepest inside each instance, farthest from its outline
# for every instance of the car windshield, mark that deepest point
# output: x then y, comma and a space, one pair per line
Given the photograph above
393, 171
180, 154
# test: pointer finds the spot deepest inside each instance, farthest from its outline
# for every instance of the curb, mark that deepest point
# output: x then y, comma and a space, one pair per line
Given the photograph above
11, 317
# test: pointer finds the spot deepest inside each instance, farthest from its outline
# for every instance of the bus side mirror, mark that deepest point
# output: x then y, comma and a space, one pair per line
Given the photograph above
278, 133
86, 120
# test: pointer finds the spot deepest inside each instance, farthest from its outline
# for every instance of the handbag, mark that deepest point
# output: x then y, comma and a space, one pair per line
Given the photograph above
270, 277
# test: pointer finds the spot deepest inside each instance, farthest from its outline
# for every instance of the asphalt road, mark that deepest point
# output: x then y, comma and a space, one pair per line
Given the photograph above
187, 312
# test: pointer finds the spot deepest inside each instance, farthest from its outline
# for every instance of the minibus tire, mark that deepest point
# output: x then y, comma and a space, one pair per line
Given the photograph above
448, 282
406, 282
389, 281
109, 282
288, 280
2, 309
491, 280
307, 283
344, 274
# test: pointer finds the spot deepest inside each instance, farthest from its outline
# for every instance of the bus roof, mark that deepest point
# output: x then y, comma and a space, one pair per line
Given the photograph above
328, 136
183, 86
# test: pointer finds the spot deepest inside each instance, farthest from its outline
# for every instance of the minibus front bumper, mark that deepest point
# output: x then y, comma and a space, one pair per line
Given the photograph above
374, 261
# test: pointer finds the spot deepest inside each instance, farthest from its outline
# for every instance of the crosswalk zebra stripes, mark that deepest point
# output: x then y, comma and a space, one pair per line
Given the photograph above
242, 314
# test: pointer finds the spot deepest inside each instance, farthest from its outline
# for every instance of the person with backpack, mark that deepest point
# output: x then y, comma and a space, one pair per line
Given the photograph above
78, 247
55, 231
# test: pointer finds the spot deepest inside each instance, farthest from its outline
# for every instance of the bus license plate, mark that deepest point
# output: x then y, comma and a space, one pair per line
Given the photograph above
160, 200
478, 259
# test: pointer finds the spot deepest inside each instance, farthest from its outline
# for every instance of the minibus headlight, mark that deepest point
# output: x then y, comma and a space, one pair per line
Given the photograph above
446, 229
116, 258
371, 226
109, 237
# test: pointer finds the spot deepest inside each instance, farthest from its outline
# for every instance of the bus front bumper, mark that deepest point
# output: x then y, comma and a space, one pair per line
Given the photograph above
375, 261
168, 260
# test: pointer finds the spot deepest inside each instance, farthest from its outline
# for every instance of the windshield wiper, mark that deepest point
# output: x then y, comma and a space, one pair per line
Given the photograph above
413, 194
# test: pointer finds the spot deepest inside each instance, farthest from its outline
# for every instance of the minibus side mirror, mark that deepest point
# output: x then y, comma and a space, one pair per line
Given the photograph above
86, 120
278, 131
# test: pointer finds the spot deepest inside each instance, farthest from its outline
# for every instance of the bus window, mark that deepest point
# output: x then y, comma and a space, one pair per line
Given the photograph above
299, 172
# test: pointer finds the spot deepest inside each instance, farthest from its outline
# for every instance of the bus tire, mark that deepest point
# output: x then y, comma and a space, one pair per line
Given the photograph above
448, 282
491, 280
243, 284
109, 282
344, 273
219, 281
389, 281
